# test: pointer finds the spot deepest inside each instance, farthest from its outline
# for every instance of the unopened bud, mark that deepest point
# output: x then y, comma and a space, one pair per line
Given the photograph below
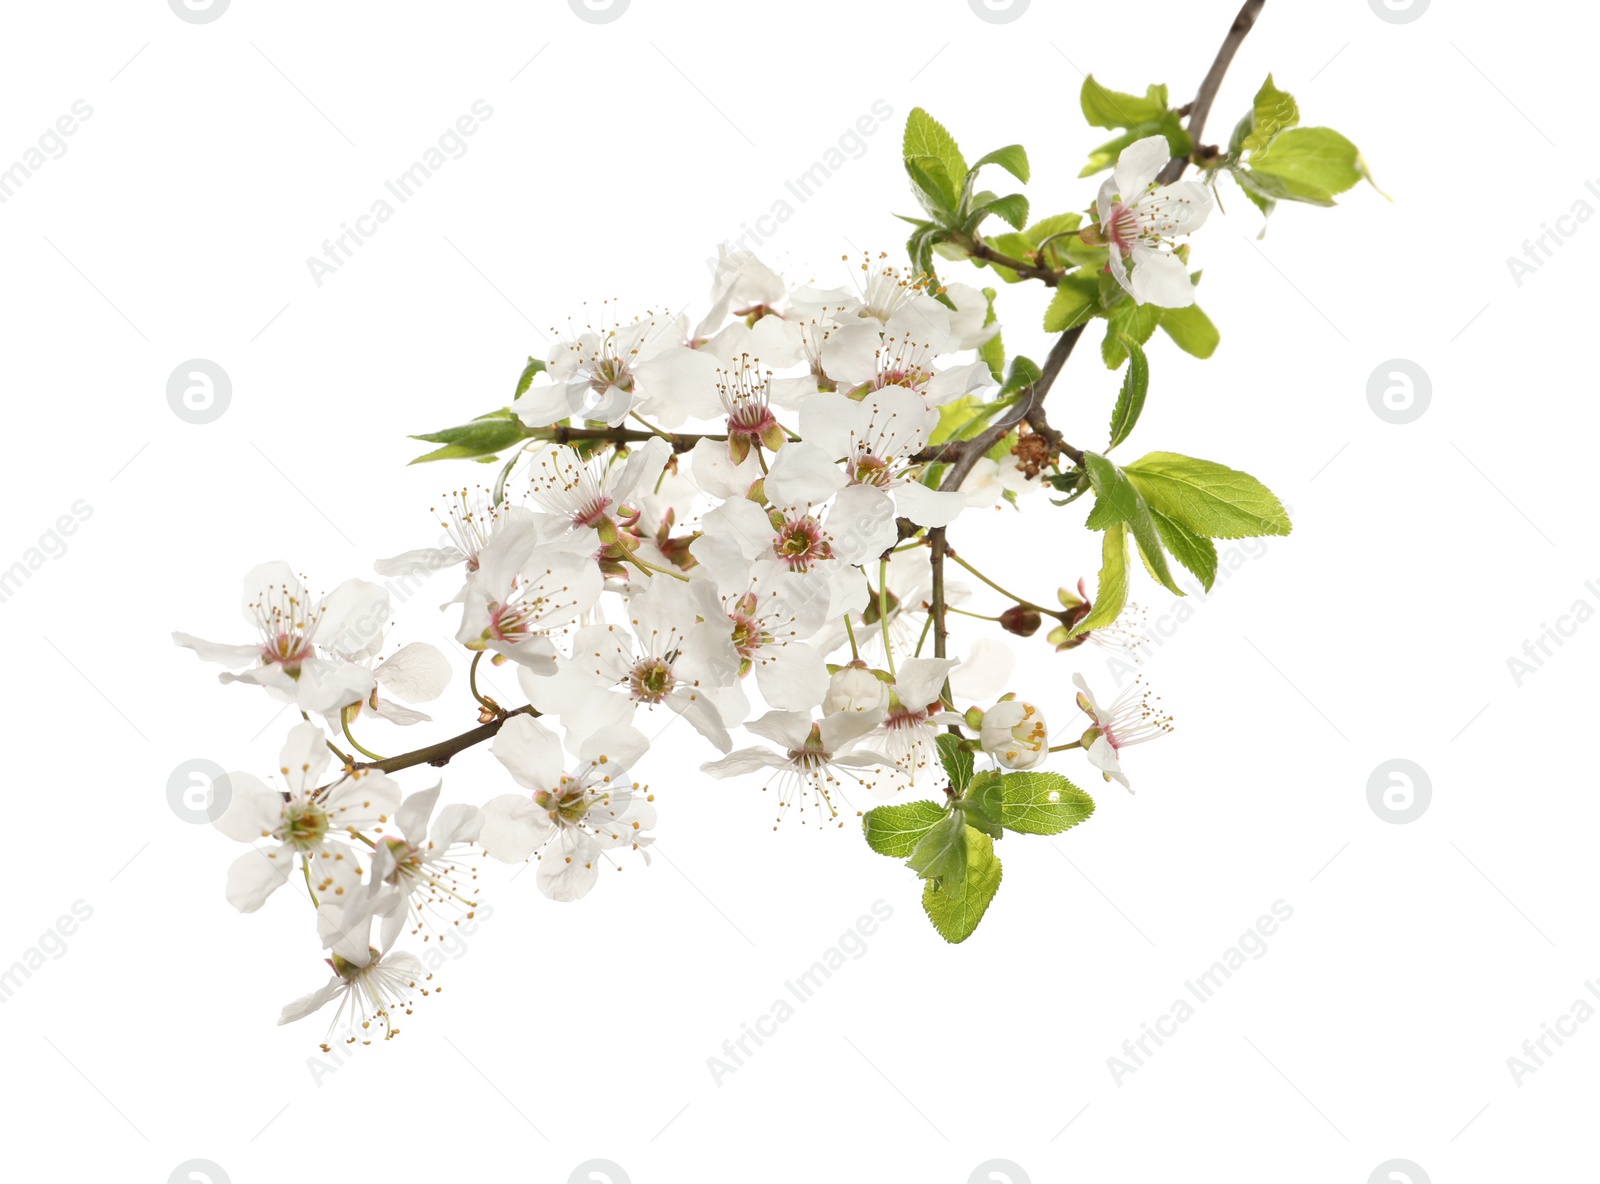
855, 688
1021, 620
1014, 733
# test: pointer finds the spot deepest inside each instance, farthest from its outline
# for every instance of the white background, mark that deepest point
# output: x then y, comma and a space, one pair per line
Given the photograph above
1377, 1026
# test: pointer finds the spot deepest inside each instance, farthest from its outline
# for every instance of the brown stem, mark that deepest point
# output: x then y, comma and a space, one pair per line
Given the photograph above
937, 606
680, 441
1201, 107
440, 753
1059, 354
971, 450
1028, 271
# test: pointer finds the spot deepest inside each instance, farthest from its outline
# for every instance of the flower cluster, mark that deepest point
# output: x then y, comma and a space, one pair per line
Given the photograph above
744, 525
753, 555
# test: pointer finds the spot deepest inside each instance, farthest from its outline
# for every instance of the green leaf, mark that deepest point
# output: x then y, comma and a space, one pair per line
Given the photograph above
956, 919
940, 856
966, 417
1013, 208
1312, 164
533, 367
1024, 372
1076, 298
1112, 594
983, 797
453, 452
1191, 330
1118, 500
993, 351
1274, 111
933, 188
981, 806
921, 243
1170, 125
1055, 224
925, 136
1111, 108
481, 437
505, 475
896, 830
1127, 319
1195, 552
1013, 158
1130, 402
1210, 499
1041, 803
1266, 204
957, 761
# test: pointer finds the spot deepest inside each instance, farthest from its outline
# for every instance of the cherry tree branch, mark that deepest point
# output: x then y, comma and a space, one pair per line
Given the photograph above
1201, 107
680, 441
439, 754
936, 607
964, 454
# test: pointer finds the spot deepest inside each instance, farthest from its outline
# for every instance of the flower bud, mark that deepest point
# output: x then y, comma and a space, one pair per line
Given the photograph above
1014, 733
1021, 620
855, 688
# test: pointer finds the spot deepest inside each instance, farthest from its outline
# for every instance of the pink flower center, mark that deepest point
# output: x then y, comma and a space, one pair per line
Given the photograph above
904, 719
651, 680
1122, 228
908, 377
287, 650
867, 469
511, 623
749, 418
800, 543
592, 513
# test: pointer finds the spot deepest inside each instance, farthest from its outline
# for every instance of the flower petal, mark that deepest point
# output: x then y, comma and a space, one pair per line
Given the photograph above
257, 874
417, 672
1139, 163
530, 751
513, 827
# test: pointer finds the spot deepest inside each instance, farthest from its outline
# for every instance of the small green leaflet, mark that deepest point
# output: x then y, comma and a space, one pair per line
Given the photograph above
1197, 554
896, 830
1075, 301
925, 136
1170, 125
933, 188
1117, 499
1210, 499
1052, 227
940, 857
957, 761
993, 351
1130, 402
983, 804
1312, 164
533, 367
1126, 320
1024, 372
957, 918
1191, 330
1041, 803
1111, 108
1013, 208
1274, 111
1013, 158
482, 437
1112, 594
